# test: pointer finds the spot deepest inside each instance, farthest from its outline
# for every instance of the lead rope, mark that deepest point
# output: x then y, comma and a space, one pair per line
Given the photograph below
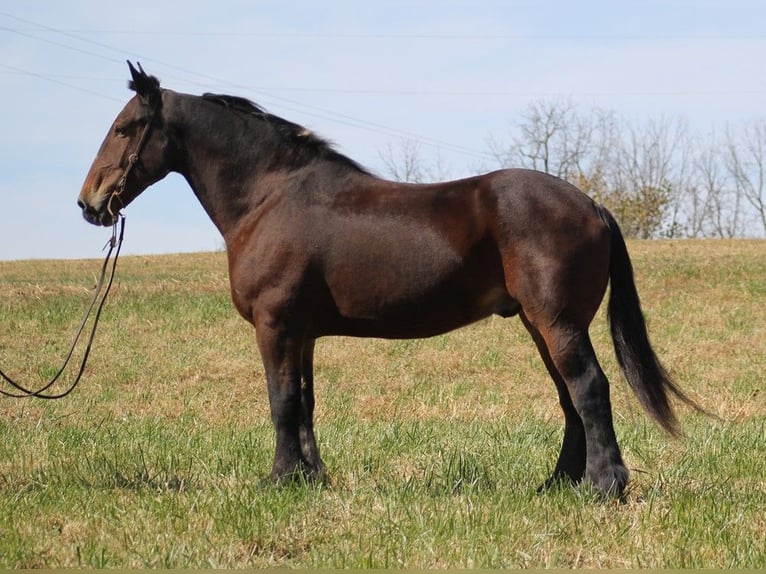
115, 242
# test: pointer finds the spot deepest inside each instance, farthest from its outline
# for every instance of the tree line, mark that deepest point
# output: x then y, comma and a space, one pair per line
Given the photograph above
658, 177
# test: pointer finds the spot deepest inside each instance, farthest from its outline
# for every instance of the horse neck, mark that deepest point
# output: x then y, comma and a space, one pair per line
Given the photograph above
220, 156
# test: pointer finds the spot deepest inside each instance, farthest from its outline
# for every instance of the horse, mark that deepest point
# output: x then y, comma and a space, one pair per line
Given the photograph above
319, 246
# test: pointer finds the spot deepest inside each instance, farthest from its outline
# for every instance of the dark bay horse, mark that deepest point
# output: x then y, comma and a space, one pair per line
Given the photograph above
318, 246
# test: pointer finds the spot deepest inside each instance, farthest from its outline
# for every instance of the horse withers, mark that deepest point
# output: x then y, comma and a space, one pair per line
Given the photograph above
318, 246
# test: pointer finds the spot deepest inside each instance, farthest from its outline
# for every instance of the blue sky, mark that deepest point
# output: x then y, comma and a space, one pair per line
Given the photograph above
364, 74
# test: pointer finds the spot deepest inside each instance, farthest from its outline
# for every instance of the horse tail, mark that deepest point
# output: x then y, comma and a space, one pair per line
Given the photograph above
649, 380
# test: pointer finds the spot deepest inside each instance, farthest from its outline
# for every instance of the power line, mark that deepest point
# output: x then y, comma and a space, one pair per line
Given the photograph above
267, 96
317, 111
413, 36
54, 80
408, 92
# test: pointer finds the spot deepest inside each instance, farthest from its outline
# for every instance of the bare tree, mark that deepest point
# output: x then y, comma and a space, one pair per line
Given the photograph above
703, 206
639, 172
714, 205
655, 176
648, 176
746, 164
406, 163
552, 137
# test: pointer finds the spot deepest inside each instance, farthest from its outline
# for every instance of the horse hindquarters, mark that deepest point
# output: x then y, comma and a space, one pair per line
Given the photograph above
559, 276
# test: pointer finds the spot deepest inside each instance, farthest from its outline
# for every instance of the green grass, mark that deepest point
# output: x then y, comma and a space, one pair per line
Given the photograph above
435, 447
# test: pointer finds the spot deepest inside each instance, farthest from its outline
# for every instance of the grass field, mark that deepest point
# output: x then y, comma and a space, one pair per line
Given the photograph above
435, 447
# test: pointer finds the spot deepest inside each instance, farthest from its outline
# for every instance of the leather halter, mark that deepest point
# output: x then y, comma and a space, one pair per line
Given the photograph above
132, 160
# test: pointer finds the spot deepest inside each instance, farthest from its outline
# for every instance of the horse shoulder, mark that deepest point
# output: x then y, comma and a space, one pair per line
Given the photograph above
268, 261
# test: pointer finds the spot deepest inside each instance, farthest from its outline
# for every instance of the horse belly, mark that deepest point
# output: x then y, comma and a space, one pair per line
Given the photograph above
402, 282
435, 314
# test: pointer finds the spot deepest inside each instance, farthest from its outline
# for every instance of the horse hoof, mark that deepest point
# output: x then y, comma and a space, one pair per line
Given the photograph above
611, 483
300, 473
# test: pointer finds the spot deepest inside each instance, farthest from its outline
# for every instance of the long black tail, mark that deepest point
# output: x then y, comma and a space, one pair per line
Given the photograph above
643, 370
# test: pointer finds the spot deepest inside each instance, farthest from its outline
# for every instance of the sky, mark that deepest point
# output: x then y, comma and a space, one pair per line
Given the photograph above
367, 75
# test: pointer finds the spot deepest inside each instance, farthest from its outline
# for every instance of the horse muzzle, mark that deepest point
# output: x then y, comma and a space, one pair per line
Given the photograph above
97, 215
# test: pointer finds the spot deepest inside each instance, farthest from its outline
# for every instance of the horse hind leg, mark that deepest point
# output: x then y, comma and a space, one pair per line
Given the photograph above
570, 466
571, 354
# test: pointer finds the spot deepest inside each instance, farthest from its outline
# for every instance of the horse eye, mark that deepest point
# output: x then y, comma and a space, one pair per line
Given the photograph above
120, 131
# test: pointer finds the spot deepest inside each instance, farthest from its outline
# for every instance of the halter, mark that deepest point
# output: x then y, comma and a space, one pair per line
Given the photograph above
132, 160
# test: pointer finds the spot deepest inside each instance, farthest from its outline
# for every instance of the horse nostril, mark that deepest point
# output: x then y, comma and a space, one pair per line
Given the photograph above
80, 204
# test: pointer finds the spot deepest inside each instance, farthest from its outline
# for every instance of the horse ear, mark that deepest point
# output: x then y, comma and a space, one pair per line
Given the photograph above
147, 87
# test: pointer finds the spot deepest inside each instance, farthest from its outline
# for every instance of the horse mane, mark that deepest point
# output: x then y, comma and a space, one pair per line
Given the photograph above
302, 144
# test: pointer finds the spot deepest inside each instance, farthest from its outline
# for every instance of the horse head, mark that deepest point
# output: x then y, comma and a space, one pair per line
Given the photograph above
133, 156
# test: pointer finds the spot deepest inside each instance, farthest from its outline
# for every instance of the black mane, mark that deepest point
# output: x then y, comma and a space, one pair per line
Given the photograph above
302, 144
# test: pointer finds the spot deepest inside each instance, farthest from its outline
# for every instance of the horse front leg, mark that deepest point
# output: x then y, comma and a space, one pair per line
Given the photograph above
281, 353
309, 448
